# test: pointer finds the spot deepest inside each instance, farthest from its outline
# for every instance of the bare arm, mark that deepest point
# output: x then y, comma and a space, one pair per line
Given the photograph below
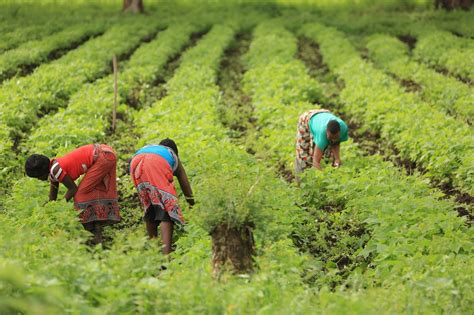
184, 183
336, 154
317, 156
53, 190
71, 187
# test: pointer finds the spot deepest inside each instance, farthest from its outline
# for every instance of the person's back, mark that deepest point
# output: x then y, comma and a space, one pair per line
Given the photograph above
163, 151
152, 168
318, 127
317, 131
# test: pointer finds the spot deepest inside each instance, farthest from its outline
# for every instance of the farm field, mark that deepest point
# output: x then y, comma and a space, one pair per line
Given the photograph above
388, 232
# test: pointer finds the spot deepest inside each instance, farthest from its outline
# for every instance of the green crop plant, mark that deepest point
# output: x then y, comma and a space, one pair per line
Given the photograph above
442, 92
230, 187
364, 238
277, 83
86, 119
420, 133
444, 50
47, 89
35, 52
401, 236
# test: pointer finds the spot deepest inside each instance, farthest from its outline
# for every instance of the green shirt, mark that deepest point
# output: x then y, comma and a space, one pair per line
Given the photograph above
318, 125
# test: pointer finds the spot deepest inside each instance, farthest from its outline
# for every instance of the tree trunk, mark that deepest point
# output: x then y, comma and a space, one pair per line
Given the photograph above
232, 250
453, 4
134, 6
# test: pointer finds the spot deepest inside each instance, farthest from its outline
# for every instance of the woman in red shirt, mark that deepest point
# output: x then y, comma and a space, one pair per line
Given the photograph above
96, 196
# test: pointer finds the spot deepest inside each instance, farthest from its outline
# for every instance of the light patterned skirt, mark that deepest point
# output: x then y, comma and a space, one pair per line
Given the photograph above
153, 178
304, 141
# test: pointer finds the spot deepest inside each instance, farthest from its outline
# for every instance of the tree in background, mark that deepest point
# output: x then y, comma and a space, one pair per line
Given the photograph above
134, 6
453, 4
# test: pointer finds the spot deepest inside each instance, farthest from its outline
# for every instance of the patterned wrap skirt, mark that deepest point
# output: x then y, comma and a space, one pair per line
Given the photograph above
153, 177
96, 197
304, 141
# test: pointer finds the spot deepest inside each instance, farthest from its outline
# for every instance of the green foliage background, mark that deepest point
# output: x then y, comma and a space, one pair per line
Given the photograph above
364, 239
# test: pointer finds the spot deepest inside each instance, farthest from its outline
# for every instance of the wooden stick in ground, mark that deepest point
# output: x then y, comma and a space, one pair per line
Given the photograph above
114, 115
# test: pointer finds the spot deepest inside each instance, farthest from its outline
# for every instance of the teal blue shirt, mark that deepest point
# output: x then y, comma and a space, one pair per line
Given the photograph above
318, 125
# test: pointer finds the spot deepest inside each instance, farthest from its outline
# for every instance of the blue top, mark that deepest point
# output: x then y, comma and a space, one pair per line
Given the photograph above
162, 151
318, 125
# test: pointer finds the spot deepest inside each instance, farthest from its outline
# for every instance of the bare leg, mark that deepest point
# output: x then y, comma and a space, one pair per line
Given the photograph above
152, 229
97, 231
167, 236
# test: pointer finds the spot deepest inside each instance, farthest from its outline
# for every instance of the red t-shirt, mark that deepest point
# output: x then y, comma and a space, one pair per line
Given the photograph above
74, 164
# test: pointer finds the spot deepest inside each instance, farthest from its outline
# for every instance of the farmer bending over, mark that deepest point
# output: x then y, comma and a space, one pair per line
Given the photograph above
96, 196
152, 169
319, 132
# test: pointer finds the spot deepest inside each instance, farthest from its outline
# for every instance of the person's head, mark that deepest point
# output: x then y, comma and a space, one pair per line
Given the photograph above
37, 166
333, 131
170, 144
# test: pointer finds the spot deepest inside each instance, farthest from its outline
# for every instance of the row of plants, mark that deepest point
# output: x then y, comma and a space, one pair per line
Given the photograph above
24, 100
34, 21
443, 92
332, 236
82, 277
417, 246
127, 277
419, 250
231, 190
277, 83
17, 35
35, 52
87, 117
420, 133
47, 88
445, 51
459, 22
393, 22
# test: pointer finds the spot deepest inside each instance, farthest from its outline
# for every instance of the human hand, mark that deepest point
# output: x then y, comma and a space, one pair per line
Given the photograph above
336, 164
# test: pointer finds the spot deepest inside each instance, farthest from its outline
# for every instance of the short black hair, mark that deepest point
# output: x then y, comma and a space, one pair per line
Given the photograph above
37, 165
333, 126
170, 144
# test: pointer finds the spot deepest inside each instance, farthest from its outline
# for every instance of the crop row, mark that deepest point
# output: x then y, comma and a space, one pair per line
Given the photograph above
231, 190
420, 133
459, 22
330, 238
38, 51
34, 22
123, 278
446, 93
419, 248
76, 289
444, 50
19, 35
277, 84
87, 117
51, 85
